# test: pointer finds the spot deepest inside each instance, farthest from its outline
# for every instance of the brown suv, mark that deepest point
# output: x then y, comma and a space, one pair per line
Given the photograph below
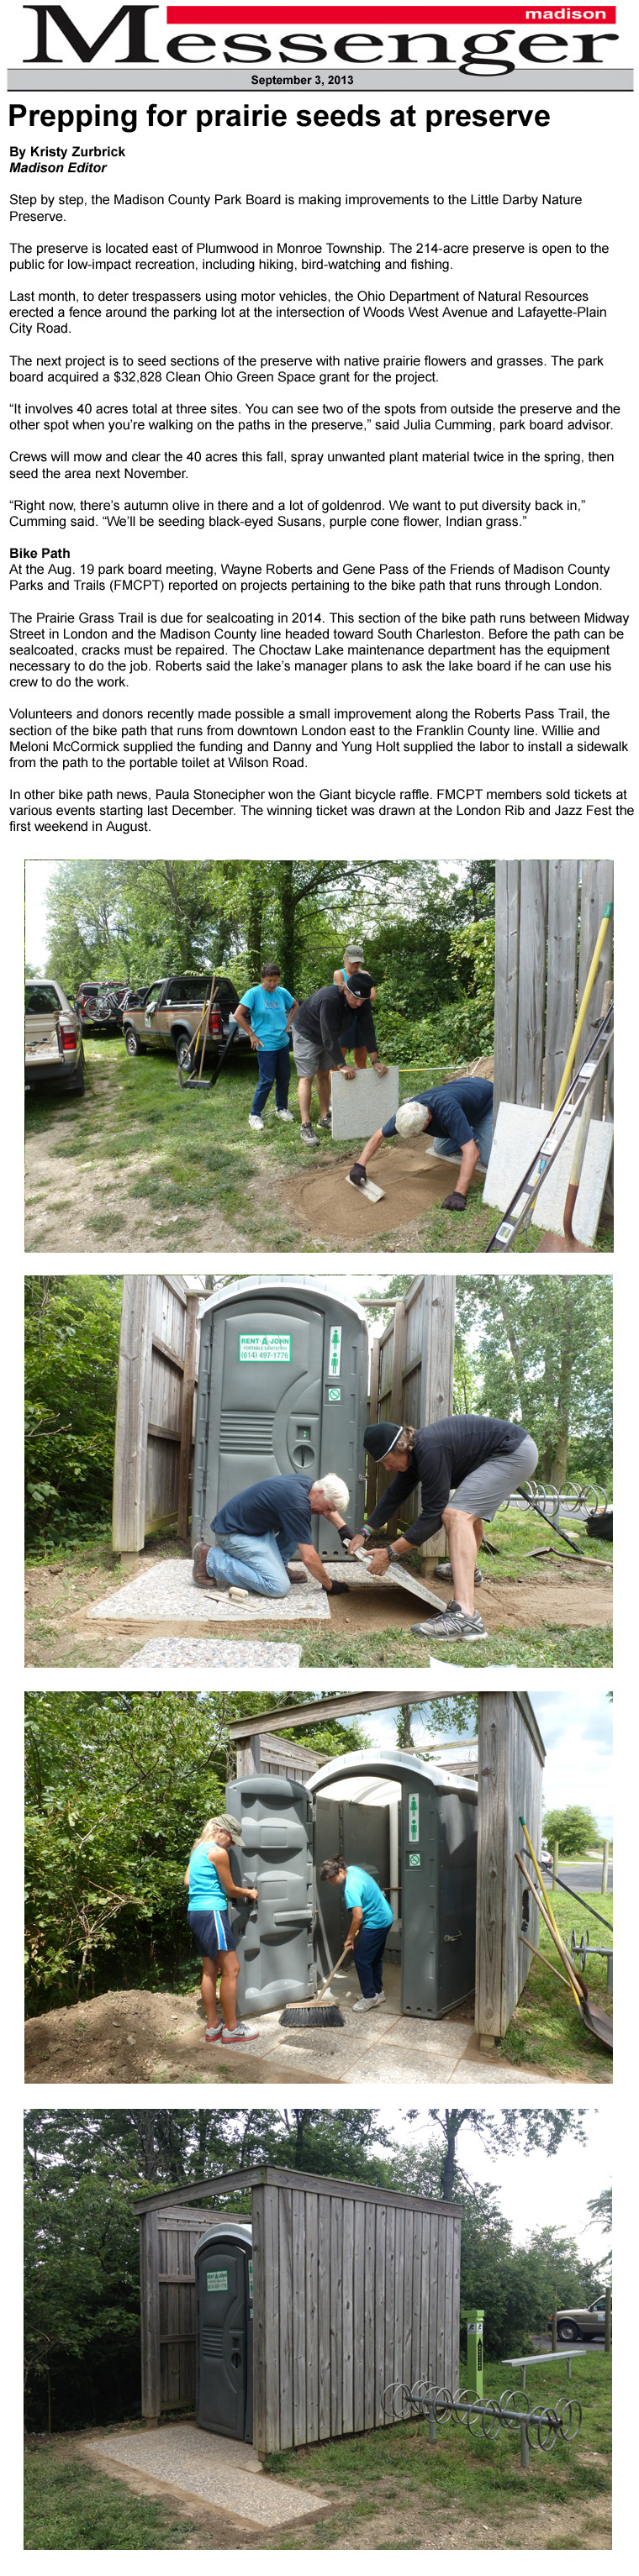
164, 1016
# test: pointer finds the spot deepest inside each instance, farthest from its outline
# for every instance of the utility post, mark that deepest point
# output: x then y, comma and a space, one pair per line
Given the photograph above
604, 1869
555, 1863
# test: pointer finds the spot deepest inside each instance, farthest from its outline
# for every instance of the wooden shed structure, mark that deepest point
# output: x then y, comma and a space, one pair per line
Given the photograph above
412, 1366
353, 2287
510, 1763
547, 915
157, 1381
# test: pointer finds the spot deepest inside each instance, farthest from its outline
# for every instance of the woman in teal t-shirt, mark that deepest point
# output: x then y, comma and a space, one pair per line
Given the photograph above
272, 1008
371, 1918
208, 1879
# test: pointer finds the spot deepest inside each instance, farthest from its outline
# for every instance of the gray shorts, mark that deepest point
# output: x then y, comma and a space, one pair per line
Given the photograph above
482, 1492
310, 1058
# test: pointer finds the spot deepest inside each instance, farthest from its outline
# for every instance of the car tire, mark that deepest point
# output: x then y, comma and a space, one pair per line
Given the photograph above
132, 1042
568, 2334
76, 1088
182, 1045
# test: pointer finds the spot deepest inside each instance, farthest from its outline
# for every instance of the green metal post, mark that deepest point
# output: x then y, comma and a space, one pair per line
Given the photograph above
474, 2322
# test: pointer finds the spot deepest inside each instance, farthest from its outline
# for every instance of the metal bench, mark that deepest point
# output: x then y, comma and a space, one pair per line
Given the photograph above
531, 2360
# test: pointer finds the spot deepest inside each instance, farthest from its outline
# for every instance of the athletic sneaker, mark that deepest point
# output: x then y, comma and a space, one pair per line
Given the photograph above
257, 1125
366, 2003
454, 1622
215, 2031
380, 1998
241, 2031
286, 1116
308, 1135
326, 1123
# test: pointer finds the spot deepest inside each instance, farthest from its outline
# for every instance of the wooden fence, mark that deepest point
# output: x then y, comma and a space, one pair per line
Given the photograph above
547, 915
157, 1379
353, 2287
510, 1766
412, 1372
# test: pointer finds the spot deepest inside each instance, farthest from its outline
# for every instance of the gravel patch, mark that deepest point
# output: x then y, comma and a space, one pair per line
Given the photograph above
202, 2464
220, 1651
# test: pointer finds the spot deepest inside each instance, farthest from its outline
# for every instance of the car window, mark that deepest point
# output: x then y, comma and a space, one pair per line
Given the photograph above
187, 988
40, 998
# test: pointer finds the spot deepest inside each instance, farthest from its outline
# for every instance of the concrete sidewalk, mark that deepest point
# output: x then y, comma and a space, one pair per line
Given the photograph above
385, 2046
210, 2470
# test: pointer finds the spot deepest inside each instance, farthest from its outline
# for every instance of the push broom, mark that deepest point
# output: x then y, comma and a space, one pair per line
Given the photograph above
315, 2015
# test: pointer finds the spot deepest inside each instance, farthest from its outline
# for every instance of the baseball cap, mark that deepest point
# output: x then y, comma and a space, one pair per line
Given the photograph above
227, 1825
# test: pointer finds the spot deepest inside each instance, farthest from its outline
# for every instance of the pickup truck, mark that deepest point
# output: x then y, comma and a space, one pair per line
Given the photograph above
53, 1050
164, 1016
581, 2325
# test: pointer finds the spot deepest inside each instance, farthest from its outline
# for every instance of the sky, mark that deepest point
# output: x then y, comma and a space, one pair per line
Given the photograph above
538, 2190
576, 1725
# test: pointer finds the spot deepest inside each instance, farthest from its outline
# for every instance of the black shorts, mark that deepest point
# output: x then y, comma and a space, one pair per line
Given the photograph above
212, 1934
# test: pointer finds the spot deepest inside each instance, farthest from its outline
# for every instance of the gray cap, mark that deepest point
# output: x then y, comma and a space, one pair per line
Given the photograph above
227, 1825
356, 953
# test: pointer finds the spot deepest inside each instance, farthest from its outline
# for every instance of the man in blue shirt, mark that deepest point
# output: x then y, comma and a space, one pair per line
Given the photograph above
460, 1116
371, 1918
257, 1531
272, 1009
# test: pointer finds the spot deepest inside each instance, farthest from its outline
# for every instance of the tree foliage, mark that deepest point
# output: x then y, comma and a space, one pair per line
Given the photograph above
575, 1829
538, 1350
117, 1788
429, 935
71, 1372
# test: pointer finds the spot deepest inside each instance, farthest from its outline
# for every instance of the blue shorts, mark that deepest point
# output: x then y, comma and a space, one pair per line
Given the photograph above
211, 1933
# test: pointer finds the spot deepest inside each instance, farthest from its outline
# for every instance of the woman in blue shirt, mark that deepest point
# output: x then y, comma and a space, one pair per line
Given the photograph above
269, 1004
371, 1919
208, 1879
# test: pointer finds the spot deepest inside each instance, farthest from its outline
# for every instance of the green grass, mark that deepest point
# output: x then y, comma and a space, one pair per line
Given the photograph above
71, 2506
547, 2028
398, 2469
203, 1157
543, 1646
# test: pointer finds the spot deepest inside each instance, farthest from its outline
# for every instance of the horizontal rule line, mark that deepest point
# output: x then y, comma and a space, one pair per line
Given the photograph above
194, 15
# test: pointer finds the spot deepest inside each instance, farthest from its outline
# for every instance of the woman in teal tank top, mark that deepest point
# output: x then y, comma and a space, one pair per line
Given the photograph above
209, 1882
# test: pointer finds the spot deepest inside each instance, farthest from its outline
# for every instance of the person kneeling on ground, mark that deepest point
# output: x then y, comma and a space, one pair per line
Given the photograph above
353, 964
467, 1466
323, 1028
209, 1882
370, 1924
272, 1009
257, 1531
461, 1117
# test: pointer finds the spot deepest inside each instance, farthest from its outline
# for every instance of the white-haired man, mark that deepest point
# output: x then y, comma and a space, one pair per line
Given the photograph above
460, 1117
258, 1530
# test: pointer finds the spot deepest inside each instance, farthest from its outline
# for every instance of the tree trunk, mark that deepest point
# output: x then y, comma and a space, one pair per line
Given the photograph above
453, 2122
254, 922
288, 911
560, 1459
404, 1736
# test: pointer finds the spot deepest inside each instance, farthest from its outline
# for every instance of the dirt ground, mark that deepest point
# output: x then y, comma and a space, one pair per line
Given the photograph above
532, 2523
337, 1218
76, 1204
58, 1597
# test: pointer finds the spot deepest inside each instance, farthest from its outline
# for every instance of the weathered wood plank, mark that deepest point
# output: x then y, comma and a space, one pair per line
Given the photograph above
299, 2319
266, 2317
380, 2311
561, 1004
398, 2327
441, 2305
369, 2316
348, 2235
416, 2315
507, 897
359, 2325
407, 2329
531, 1011
597, 890
490, 1862
285, 2200
312, 2356
389, 2369
132, 1413
337, 2208
149, 2317
432, 2302
371, 1468
324, 2317
424, 2296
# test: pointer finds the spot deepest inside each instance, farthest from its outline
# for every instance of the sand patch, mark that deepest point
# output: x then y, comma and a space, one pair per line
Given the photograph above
335, 1217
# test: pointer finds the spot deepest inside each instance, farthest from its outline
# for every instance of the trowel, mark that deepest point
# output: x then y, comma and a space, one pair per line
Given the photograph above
366, 1189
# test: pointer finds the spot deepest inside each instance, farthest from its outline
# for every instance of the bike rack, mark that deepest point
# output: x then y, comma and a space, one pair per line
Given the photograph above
543, 2425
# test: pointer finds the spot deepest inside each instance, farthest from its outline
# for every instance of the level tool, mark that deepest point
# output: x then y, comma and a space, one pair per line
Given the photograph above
560, 1125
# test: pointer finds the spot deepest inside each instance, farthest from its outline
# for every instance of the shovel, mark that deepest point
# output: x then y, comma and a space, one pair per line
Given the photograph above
595, 2020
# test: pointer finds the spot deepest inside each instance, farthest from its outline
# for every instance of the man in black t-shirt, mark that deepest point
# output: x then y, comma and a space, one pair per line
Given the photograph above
467, 1466
323, 1027
256, 1532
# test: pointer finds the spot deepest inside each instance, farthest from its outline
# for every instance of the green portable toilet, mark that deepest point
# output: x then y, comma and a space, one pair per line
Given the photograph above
223, 2264
282, 1386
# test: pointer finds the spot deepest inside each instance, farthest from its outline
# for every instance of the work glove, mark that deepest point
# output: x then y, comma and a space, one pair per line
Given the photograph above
358, 1175
339, 1587
457, 1199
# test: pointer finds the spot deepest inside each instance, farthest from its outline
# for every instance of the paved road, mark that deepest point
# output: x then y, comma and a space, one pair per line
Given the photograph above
583, 1876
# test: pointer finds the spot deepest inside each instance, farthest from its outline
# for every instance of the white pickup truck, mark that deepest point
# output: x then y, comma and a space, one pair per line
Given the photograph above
53, 1050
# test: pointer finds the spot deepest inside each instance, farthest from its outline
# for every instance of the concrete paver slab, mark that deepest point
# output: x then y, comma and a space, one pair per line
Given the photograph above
167, 1591
518, 1135
218, 1651
361, 1106
203, 2465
